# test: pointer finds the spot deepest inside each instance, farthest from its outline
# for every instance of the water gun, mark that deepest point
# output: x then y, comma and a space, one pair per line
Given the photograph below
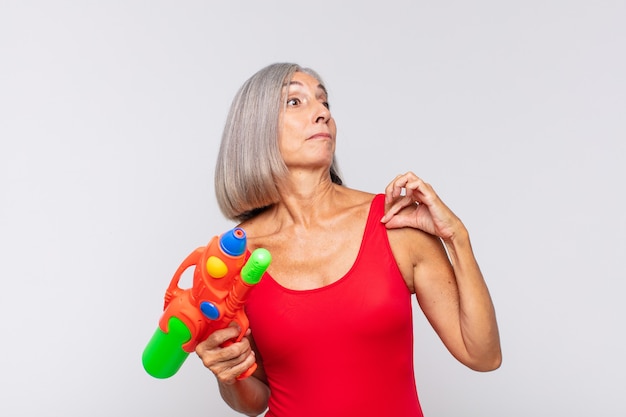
222, 280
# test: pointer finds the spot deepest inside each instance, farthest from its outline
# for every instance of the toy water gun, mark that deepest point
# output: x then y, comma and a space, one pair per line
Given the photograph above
222, 280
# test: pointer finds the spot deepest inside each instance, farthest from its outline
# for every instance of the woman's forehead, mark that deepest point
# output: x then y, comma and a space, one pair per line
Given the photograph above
303, 79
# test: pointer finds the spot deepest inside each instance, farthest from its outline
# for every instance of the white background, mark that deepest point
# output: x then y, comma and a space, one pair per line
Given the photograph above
110, 119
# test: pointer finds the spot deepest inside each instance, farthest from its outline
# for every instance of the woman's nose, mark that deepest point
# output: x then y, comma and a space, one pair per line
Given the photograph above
322, 113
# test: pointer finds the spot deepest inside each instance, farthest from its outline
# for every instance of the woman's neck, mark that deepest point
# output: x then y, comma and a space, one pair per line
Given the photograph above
304, 199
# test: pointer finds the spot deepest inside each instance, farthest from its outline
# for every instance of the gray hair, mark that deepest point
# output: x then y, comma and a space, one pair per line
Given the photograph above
249, 164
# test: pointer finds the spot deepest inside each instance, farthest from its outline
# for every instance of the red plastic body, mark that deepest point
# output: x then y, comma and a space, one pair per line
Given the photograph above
216, 280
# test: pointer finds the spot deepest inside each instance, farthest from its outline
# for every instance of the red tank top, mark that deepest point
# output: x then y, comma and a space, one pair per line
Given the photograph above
345, 349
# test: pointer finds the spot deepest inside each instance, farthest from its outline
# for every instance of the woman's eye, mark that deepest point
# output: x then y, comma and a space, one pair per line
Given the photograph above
326, 104
293, 101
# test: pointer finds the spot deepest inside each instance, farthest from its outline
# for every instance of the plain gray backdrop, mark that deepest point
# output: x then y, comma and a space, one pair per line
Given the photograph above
110, 118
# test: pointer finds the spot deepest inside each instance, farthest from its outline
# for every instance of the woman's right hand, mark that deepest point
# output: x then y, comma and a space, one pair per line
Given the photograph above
226, 363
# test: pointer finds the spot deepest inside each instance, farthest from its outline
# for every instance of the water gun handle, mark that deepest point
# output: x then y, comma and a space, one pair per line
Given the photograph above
250, 275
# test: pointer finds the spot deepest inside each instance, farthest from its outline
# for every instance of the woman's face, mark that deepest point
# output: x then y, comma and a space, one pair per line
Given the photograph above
307, 130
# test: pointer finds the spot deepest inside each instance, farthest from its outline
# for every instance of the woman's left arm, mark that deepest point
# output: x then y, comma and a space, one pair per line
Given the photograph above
447, 281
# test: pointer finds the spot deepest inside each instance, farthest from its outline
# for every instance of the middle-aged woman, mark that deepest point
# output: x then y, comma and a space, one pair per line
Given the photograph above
331, 326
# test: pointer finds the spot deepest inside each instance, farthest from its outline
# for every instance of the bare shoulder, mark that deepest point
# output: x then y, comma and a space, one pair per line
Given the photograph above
413, 249
355, 200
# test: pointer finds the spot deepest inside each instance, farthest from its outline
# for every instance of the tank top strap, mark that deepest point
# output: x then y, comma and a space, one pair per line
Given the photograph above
375, 232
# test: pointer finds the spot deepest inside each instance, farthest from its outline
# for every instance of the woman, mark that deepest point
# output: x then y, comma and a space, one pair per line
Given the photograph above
331, 320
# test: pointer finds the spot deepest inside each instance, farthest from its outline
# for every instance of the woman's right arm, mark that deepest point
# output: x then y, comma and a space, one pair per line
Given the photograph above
248, 396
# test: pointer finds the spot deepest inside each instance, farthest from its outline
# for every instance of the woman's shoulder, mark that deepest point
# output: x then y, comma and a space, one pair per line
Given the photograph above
351, 196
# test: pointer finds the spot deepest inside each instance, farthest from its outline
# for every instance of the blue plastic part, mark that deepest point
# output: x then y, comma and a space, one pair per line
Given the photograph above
233, 242
209, 310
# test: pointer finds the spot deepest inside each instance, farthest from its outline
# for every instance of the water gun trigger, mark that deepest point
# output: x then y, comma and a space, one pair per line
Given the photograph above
243, 324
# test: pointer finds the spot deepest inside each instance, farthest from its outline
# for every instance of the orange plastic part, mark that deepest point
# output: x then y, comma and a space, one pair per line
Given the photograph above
185, 304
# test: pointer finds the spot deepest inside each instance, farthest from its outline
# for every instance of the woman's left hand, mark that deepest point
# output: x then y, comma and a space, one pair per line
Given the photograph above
420, 207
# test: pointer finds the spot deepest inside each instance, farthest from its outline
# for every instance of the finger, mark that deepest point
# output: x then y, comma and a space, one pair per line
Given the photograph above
219, 359
389, 190
399, 184
402, 182
398, 205
211, 351
228, 371
219, 342
420, 191
219, 337
393, 191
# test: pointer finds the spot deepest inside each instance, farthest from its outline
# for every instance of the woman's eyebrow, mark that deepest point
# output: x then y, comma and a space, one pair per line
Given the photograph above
298, 83
293, 83
323, 89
